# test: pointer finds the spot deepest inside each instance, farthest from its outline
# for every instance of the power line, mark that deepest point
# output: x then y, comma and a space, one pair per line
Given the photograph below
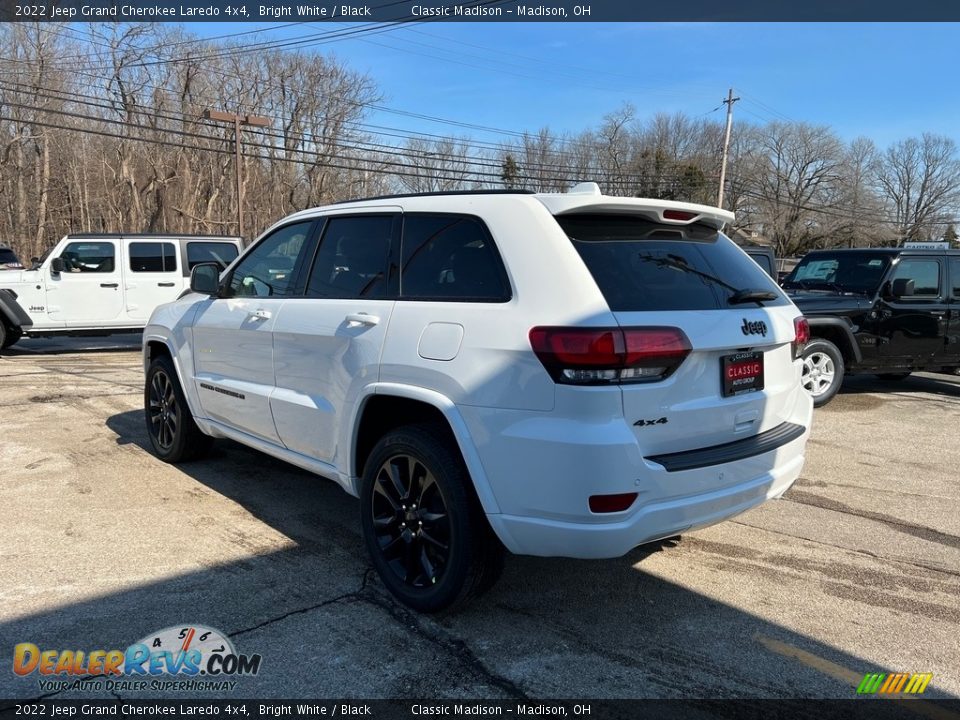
224, 151
368, 164
151, 50
415, 159
327, 162
833, 212
482, 146
516, 68
380, 108
304, 41
771, 111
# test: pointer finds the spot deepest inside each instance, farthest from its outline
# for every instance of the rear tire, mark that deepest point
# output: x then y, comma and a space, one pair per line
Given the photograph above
422, 522
822, 370
173, 434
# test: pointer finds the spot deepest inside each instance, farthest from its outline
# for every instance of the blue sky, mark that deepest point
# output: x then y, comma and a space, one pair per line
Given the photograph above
884, 81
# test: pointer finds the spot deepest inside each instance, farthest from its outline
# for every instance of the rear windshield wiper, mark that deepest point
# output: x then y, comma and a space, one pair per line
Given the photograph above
737, 296
675, 261
748, 295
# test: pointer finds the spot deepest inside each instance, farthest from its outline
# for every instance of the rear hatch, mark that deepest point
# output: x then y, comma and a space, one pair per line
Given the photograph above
725, 369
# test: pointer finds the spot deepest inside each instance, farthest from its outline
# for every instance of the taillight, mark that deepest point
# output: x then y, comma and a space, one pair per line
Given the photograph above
801, 329
601, 356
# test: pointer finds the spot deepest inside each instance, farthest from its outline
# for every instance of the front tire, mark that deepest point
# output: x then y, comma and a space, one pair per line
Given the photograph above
173, 434
822, 370
422, 523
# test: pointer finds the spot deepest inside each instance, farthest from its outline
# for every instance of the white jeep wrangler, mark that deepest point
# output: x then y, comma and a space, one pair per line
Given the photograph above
103, 284
560, 375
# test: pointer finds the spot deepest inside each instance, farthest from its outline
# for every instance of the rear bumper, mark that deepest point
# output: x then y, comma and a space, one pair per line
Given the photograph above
543, 467
732, 451
654, 520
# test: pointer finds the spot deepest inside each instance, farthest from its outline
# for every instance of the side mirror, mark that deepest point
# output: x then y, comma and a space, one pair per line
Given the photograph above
205, 279
56, 266
34, 260
901, 287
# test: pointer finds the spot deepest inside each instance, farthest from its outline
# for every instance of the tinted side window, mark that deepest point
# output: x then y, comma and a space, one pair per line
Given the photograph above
352, 259
955, 276
206, 252
450, 257
96, 257
851, 271
266, 271
924, 273
152, 257
640, 265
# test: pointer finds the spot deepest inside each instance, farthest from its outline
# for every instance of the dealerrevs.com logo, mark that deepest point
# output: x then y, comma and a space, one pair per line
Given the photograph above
184, 657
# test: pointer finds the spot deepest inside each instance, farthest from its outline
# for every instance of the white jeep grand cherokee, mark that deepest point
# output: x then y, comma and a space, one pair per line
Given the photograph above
558, 374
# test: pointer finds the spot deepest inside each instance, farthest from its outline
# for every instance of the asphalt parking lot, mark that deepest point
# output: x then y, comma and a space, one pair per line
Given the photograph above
856, 570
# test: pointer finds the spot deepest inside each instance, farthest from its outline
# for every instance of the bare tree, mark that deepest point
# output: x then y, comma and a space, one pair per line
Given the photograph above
920, 180
109, 135
798, 184
863, 222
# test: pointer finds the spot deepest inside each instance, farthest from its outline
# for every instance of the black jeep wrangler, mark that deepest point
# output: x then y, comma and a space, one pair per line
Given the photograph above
888, 311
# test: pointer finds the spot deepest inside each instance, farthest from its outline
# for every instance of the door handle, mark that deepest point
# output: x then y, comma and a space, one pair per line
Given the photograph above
261, 314
167, 284
362, 318
113, 285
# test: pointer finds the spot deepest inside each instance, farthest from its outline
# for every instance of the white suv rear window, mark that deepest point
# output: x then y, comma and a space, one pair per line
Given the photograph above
642, 265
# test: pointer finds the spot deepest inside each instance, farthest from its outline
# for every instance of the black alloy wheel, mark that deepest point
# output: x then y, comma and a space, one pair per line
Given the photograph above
164, 413
423, 525
411, 521
173, 433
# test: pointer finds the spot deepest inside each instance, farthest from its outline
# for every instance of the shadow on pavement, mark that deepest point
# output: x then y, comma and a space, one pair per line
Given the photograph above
944, 385
63, 345
326, 628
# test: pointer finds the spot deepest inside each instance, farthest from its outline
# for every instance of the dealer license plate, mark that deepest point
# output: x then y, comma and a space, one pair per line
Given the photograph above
741, 373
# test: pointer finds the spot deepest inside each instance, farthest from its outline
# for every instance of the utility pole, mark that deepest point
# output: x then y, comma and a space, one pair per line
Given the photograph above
726, 145
237, 121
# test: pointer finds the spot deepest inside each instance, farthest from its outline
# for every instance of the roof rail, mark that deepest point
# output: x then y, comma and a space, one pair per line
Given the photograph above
438, 192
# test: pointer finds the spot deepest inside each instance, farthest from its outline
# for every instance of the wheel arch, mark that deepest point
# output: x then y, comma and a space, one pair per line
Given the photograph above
386, 406
839, 332
155, 345
11, 313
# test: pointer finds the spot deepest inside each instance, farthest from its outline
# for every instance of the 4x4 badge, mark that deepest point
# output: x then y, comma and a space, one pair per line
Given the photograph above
754, 328
644, 423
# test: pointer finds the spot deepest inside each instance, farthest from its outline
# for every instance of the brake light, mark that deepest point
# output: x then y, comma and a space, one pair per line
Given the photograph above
679, 215
602, 356
802, 331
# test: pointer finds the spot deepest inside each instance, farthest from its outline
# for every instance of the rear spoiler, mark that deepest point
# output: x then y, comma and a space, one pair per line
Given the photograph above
586, 198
